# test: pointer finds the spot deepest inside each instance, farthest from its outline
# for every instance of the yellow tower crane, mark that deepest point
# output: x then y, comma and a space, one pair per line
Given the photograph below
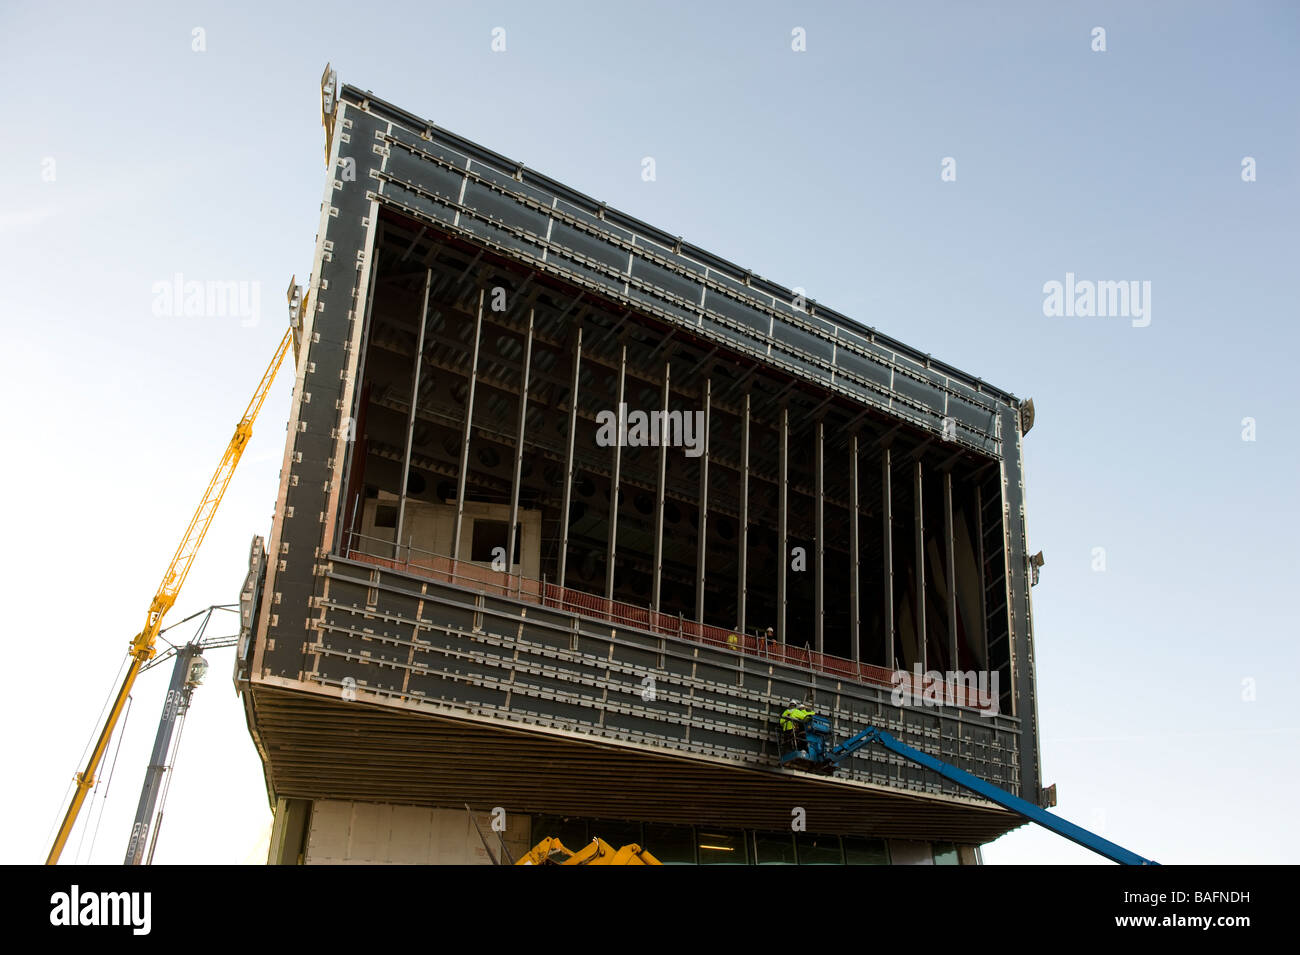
142, 647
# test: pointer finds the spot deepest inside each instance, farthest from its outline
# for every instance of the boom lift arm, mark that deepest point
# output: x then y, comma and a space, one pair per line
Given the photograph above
813, 753
142, 647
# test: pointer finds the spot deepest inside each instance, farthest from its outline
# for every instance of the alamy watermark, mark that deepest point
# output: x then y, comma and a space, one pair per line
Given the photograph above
651, 429
127, 909
191, 298
1088, 299
977, 688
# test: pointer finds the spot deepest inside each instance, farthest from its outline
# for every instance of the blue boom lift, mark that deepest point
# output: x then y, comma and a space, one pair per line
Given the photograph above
808, 747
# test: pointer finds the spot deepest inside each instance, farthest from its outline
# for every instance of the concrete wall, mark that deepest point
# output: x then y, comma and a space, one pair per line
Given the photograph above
429, 529
358, 833
361, 833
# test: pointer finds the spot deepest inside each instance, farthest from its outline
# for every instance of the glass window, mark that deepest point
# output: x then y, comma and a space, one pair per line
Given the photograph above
865, 851
721, 847
570, 830
616, 832
945, 853
774, 848
818, 850
671, 845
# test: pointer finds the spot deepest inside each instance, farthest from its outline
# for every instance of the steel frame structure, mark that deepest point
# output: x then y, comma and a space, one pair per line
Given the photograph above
900, 476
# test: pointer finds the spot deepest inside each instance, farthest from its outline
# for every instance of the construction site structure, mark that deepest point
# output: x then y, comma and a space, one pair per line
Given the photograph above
551, 475
144, 645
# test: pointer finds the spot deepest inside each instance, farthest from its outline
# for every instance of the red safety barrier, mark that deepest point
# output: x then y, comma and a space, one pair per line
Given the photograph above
498, 583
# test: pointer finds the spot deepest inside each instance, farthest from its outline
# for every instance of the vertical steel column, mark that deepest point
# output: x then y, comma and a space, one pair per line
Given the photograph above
620, 423
953, 660
983, 595
568, 462
469, 425
819, 575
887, 508
782, 545
701, 550
410, 418
354, 442
920, 564
855, 601
519, 449
742, 555
659, 494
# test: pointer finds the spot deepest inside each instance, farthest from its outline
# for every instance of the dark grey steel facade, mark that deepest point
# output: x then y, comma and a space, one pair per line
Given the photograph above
340, 644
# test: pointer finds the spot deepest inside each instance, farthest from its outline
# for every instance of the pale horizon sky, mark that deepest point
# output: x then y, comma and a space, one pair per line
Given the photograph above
133, 157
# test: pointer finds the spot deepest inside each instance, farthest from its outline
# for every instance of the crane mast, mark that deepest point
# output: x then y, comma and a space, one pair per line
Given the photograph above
141, 648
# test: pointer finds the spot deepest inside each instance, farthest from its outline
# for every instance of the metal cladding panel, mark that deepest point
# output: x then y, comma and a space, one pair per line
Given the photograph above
439, 177
310, 483
489, 657
1021, 613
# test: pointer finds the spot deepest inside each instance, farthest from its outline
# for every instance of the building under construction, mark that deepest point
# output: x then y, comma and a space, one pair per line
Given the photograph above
551, 474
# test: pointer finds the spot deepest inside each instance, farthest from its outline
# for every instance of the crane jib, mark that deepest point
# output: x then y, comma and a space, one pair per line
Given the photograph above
142, 647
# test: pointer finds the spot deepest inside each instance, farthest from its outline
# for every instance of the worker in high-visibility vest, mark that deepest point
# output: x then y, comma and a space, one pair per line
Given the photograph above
794, 713
793, 723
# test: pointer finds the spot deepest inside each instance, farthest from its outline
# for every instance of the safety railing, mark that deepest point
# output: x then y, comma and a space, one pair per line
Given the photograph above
482, 578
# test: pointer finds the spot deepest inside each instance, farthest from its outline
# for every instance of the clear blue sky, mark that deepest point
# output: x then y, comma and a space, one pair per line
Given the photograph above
818, 169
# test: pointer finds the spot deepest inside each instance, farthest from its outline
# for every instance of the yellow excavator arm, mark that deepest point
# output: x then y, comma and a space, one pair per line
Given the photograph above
596, 852
142, 646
